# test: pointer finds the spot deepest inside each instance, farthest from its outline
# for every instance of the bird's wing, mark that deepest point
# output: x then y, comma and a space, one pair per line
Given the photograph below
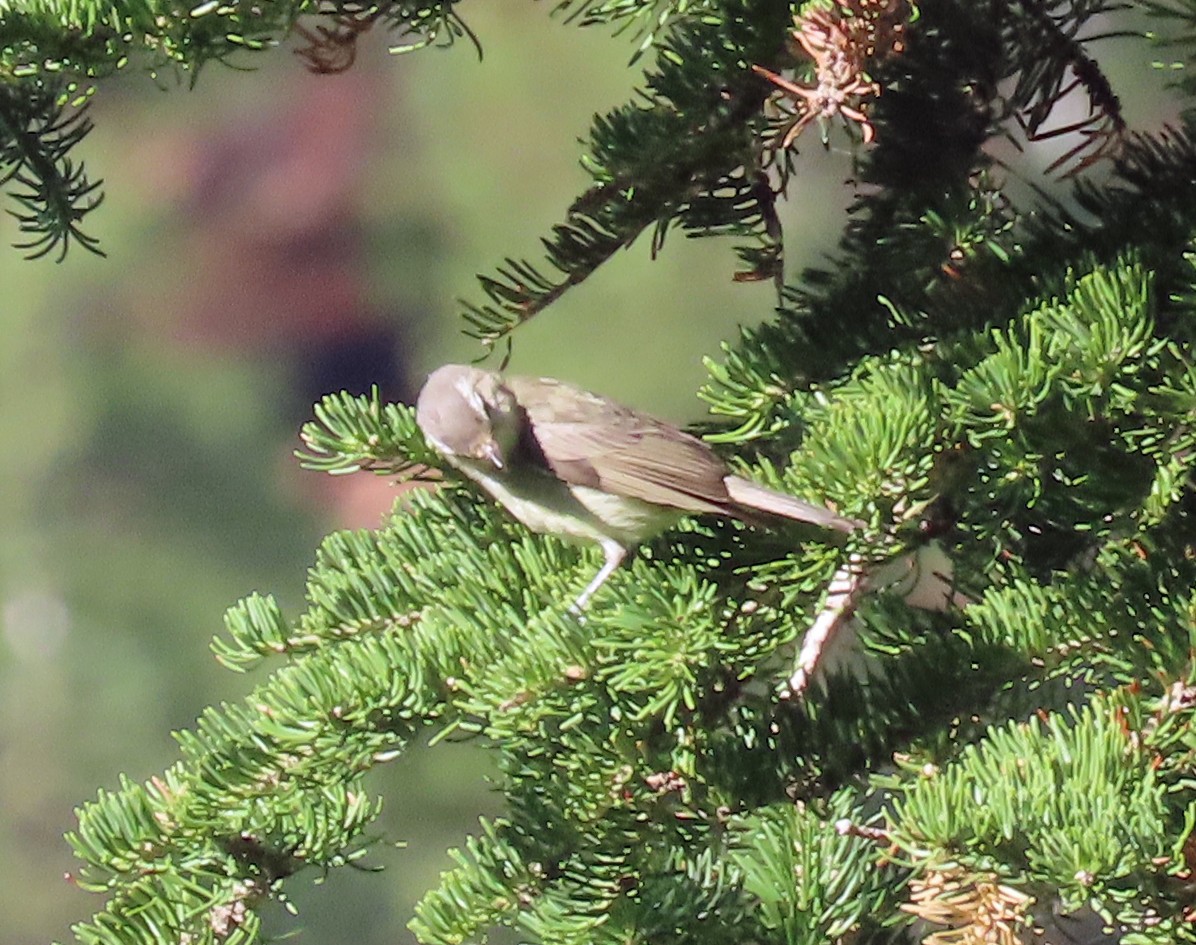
587, 440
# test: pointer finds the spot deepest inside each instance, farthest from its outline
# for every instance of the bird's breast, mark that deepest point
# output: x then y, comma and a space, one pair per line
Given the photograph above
549, 505
629, 520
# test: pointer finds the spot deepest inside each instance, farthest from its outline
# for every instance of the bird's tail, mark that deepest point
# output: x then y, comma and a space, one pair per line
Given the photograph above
745, 492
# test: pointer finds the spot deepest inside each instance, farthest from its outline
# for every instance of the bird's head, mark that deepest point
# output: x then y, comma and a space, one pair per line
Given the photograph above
469, 414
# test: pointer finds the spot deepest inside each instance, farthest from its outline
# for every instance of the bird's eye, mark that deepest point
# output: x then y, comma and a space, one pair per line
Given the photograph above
503, 403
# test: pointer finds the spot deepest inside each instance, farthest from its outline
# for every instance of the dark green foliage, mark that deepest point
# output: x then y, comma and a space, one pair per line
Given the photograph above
38, 129
1004, 392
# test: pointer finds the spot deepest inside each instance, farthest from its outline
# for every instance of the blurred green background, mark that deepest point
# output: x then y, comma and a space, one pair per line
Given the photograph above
273, 235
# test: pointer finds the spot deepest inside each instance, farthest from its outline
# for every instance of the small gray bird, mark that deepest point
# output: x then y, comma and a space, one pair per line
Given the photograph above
573, 464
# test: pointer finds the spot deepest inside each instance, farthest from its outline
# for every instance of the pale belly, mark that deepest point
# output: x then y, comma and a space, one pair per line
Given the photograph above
551, 507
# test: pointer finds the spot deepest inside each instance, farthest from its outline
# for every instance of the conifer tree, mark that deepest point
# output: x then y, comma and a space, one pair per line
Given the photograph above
1001, 386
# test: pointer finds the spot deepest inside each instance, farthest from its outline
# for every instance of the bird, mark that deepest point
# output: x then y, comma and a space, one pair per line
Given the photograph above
570, 463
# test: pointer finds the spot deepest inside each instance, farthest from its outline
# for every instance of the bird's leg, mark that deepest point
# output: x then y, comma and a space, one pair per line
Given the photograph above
615, 553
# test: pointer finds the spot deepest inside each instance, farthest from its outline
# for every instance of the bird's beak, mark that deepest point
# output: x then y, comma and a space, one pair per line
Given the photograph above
491, 452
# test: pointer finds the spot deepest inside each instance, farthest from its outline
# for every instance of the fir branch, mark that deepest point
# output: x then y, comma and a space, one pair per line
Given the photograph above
332, 38
38, 129
429, 23
686, 158
591, 12
842, 596
646, 19
841, 888
488, 883
1047, 35
1088, 770
95, 40
52, 50
352, 433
